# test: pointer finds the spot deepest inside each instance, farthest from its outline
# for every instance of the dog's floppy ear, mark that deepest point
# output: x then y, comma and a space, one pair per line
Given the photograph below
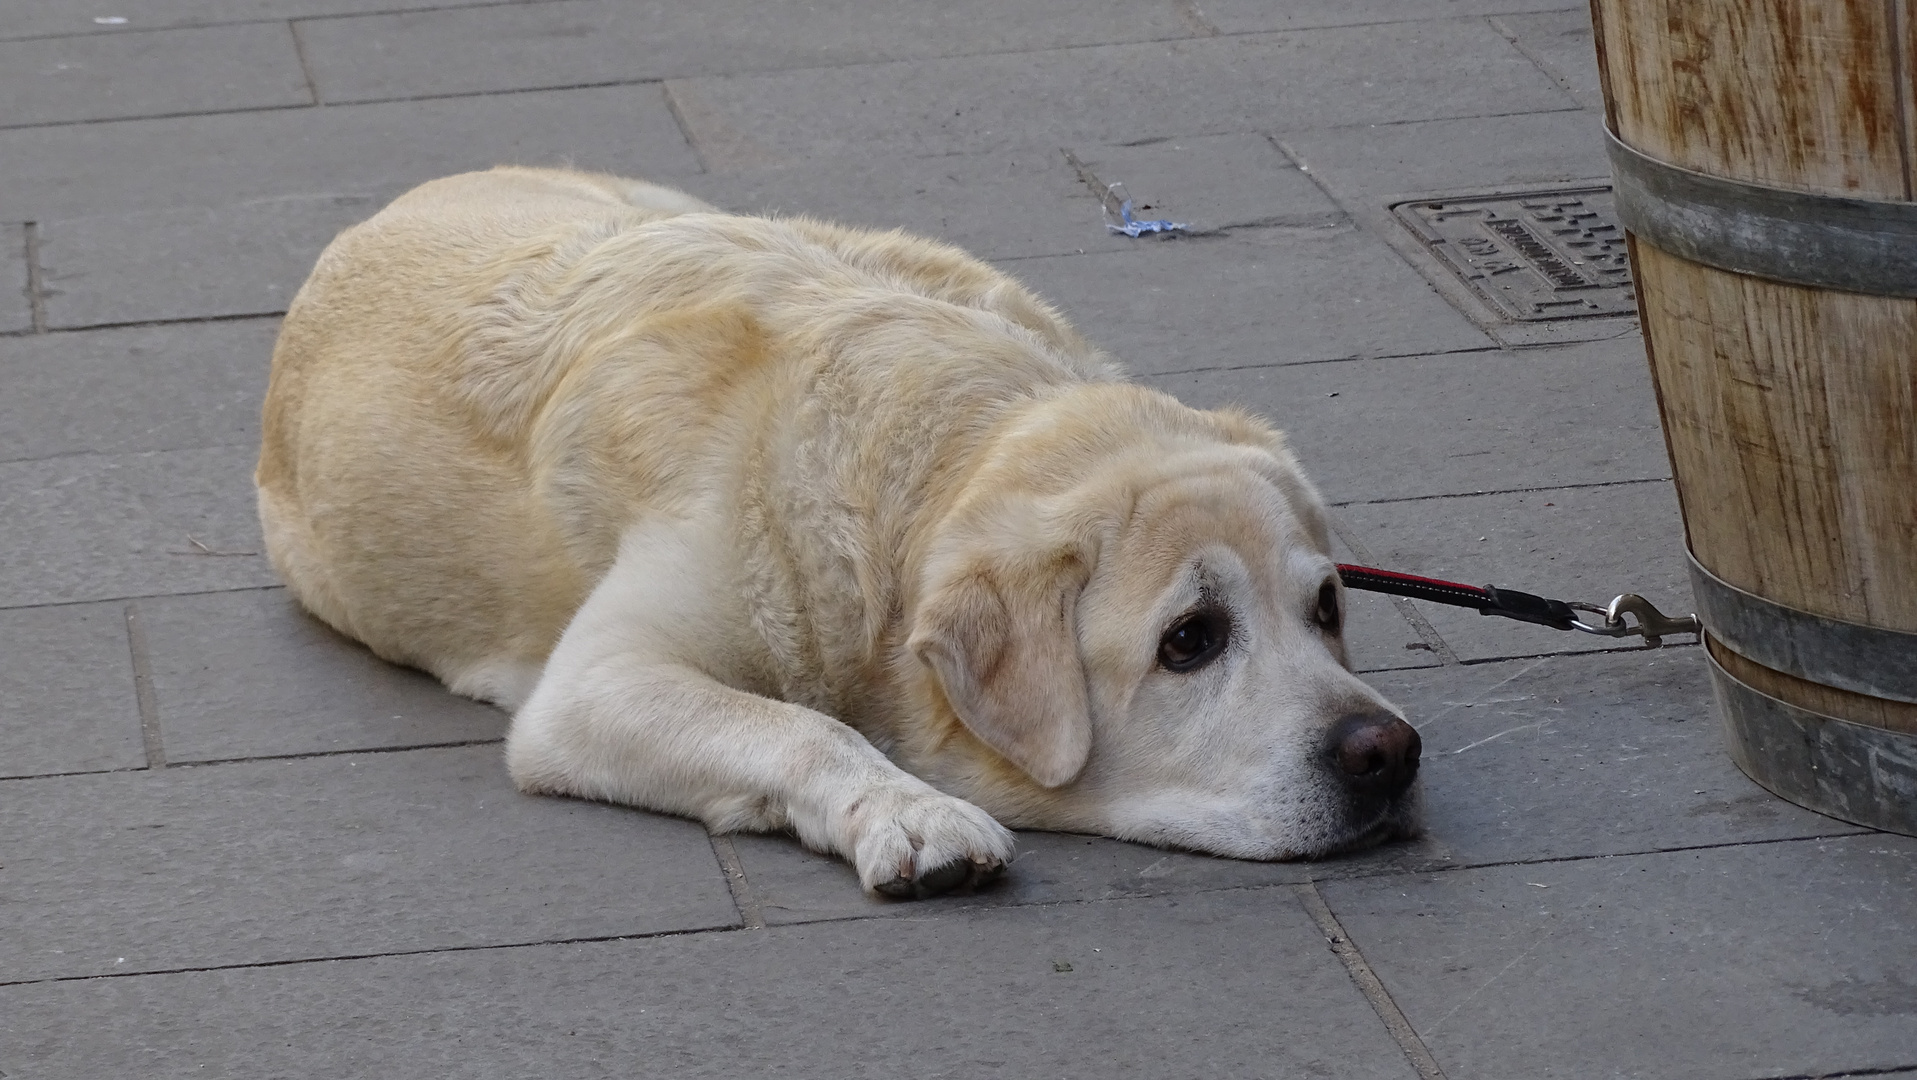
1003, 641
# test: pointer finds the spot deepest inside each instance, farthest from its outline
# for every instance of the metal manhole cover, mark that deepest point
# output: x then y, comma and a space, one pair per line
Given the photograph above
1536, 256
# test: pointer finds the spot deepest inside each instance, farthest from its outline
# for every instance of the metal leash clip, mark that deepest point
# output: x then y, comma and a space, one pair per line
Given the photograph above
1652, 624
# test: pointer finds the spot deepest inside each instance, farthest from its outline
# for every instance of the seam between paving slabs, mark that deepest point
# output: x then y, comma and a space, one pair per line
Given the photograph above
1845, 1074
143, 689
745, 896
1368, 982
1567, 652
65, 454
139, 323
140, 596
678, 114
76, 772
934, 911
377, 955
1496, 23
36, 297
1504, 491
237, 110
363, 751
453, 744
306, 66
1275, 364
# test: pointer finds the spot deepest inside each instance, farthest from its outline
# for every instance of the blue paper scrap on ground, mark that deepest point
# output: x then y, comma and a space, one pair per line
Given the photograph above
1127, 225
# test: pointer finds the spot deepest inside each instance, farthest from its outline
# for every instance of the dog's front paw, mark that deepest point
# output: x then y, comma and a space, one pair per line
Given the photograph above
913, 844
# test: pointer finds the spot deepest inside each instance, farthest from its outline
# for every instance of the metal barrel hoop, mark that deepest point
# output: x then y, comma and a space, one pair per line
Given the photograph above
1823, 241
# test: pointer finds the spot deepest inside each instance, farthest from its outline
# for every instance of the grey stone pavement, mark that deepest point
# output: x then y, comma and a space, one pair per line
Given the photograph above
234, 845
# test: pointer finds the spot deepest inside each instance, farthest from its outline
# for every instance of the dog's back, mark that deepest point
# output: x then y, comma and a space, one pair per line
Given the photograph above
482, 386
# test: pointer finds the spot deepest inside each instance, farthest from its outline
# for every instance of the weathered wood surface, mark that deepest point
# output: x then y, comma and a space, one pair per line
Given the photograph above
1790, 412
1807, 94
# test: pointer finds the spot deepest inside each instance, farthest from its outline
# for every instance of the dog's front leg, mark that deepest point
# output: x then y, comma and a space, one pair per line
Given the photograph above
621, 714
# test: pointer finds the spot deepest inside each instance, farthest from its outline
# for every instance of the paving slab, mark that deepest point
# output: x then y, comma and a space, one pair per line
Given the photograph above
115, 167
16, 289
1017, 204
1577, 543
251, 674
100, 526
1406, 427
1114, 93
1002, 205
132, 389
55, 18
1579, 756
1361, 167
1211, 182
791, 884
581, 42
1789, 959
1256, 297
1254, 991
66, 692
1368, 170
157, 73
346, 855
1561, 43
1250, 16
250, 257
191, 262
1377, 635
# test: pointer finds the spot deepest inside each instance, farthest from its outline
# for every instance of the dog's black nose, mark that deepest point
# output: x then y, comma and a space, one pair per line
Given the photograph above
1376, 752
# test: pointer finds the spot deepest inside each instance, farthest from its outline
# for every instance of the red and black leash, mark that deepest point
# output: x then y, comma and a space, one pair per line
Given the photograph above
1651, 624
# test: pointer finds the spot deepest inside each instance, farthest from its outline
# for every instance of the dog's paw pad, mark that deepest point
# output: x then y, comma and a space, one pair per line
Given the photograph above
959, 875
944, 878
899, 888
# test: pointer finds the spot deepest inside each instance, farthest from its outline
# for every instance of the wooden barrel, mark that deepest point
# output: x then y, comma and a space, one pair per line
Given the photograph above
1765, 154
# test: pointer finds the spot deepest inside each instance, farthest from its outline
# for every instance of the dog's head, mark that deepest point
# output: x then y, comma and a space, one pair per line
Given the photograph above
1134, 619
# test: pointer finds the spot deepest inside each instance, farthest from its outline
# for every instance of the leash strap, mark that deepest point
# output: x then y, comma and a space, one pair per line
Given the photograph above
1490, 600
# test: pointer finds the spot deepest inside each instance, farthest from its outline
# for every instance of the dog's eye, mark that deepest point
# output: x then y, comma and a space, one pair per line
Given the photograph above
1194, 641
1328, 614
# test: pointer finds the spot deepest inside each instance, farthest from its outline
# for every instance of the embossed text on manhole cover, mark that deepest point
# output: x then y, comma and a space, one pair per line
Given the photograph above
1533, 256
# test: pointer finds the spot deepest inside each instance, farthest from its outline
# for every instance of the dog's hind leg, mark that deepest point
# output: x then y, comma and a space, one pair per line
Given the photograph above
626, 712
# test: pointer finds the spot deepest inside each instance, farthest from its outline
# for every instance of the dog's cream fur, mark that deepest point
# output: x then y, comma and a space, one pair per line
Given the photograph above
776, 524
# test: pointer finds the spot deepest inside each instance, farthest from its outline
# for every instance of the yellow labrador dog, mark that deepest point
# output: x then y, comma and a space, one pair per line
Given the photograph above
779, 525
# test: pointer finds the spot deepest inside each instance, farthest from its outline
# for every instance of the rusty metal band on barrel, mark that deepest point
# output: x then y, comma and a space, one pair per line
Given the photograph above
1826, 241
1851, 656
1834, 766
